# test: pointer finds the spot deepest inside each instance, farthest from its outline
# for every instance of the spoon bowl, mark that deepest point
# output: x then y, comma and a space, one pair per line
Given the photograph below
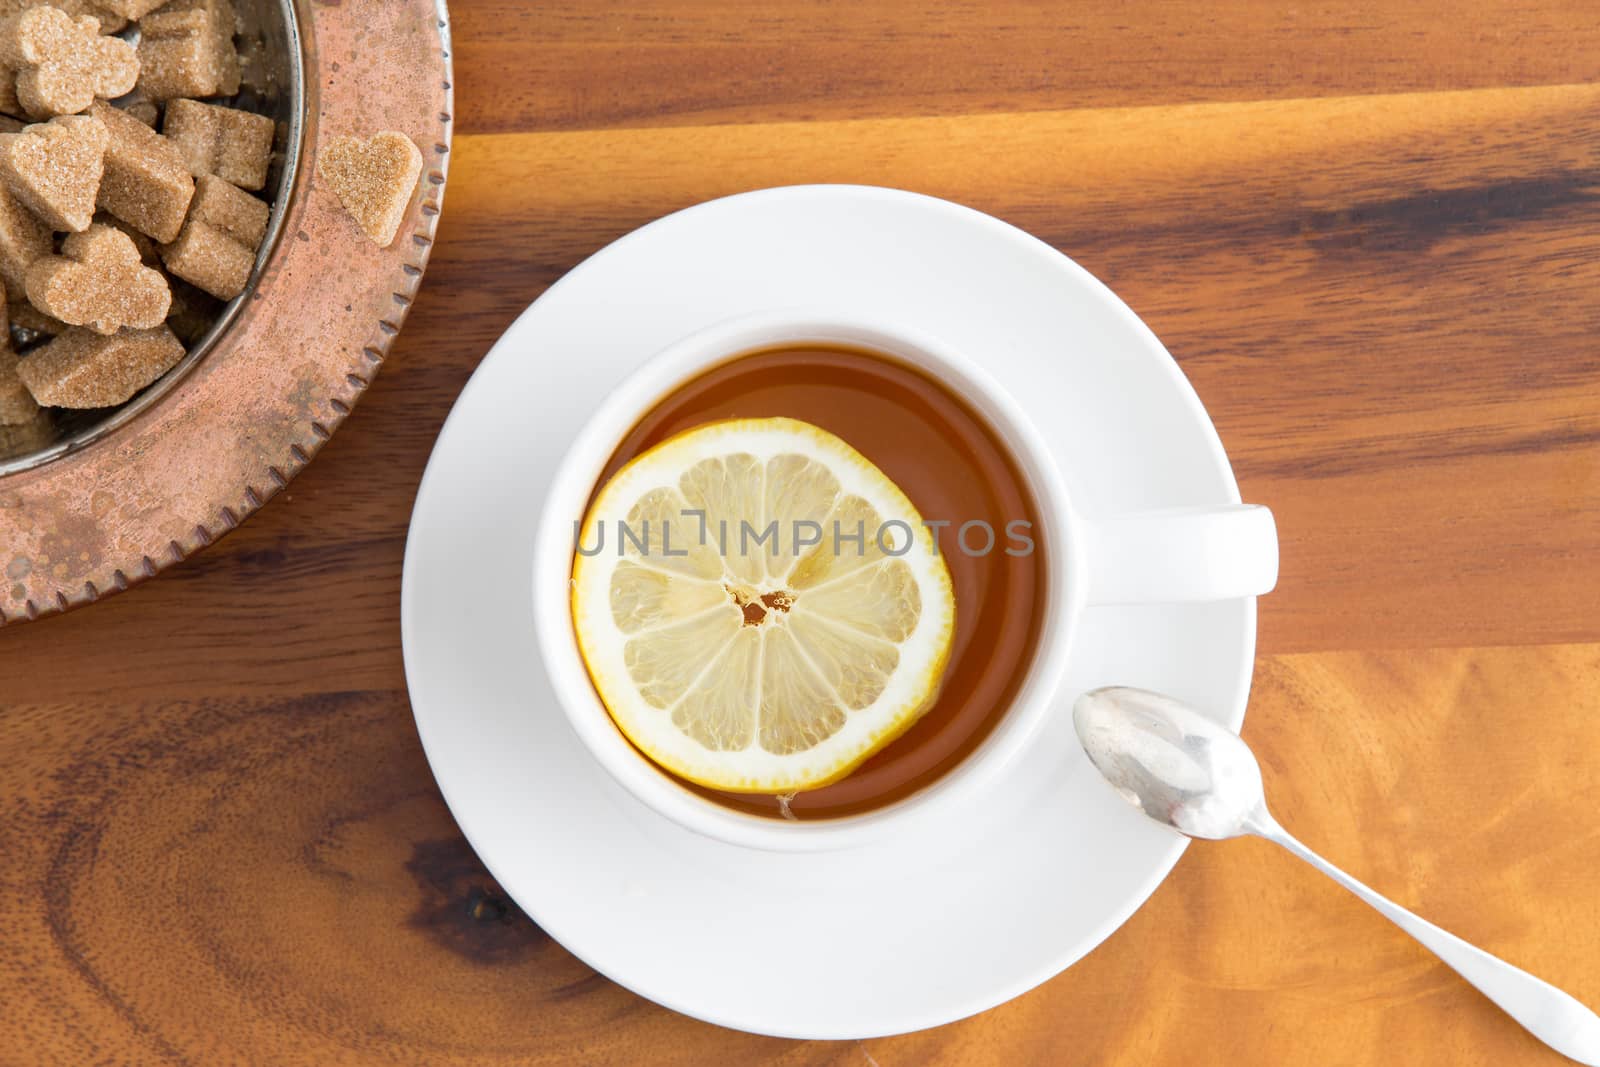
1185, 771
1172, 762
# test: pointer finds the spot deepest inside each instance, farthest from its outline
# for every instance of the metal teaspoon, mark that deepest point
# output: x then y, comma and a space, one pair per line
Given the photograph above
1187, 772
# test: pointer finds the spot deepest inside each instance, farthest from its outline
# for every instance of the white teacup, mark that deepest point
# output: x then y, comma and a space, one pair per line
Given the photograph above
1180, 554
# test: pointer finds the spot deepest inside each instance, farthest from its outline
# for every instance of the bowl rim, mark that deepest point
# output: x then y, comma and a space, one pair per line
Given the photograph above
153, 393
237, 427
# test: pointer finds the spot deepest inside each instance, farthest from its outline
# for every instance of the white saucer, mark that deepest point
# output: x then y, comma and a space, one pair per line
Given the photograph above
874, 941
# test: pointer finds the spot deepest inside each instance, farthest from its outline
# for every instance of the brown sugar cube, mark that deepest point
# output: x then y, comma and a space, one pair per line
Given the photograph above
17, 405
8, 74
84, 369
9, 104
146, 184
186, 49
24, 316
234, 145
54, 167
217, 248
63, 63
98, 282
231, 210
23, 239
127, 9
11, 125
38, 432
373, 179
110, 21
210, 258
147, 248
144, 110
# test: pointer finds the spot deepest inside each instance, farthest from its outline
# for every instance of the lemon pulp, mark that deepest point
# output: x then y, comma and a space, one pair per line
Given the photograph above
759, 607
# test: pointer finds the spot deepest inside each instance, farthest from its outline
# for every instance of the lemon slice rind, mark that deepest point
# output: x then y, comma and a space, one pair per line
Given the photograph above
668, 648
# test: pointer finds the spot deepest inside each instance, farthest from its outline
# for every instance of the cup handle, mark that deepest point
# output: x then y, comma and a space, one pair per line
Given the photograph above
1181, 554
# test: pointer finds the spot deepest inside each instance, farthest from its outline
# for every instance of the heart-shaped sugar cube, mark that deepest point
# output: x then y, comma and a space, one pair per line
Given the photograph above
54, 168
373, 179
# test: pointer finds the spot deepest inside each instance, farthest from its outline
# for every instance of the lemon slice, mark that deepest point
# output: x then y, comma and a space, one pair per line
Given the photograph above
759, 607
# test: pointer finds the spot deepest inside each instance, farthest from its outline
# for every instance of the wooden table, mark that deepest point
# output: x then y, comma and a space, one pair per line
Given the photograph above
1370, 233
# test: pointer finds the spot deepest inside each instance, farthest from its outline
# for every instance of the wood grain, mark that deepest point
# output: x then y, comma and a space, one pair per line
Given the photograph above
220, 841
623, 63
1388, 304
277, 881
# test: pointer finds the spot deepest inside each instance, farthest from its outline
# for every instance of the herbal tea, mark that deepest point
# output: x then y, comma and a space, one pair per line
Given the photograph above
840, 636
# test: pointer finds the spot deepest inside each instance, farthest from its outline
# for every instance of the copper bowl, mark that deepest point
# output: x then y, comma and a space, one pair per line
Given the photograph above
107, 498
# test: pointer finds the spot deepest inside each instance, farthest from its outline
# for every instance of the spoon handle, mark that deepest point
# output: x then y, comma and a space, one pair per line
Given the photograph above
1552, 1016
